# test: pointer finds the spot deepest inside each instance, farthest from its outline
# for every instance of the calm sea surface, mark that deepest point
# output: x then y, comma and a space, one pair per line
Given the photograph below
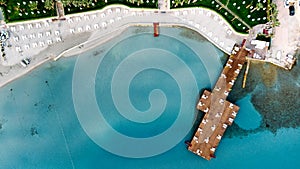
130, 103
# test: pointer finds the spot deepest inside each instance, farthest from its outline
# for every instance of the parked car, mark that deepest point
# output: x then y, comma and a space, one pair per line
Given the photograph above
292, 10
25, 62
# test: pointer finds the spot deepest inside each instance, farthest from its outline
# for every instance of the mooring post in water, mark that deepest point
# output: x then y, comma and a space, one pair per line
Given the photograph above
246, 73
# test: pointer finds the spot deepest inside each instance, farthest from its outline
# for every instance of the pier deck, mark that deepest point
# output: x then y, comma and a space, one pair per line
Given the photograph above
219, 112
156, 29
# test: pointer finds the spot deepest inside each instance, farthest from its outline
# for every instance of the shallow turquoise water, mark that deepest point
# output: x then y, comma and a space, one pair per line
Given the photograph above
41, 127
248, 117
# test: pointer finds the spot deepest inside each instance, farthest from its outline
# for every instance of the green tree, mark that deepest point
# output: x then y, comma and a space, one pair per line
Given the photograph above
49, 5
177, 2
66, 3
140, 2
249, 4
274, 14
257, 7
3, 2
33, 6
131, 1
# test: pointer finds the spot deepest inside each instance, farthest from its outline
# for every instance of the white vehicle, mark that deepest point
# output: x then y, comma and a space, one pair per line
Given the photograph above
25, 62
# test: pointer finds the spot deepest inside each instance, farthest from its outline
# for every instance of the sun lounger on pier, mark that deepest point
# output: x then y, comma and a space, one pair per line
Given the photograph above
200, 104
206, 140
236, 48
221, 112
206, 110
231, 82
234, 113
221, 101
237, 71
213, 127
228, 65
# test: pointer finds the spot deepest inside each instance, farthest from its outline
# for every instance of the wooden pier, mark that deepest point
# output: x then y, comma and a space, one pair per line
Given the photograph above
219, 113
156, 29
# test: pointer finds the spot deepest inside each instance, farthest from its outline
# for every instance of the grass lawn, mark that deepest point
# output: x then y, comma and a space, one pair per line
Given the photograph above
249, 11
17, 10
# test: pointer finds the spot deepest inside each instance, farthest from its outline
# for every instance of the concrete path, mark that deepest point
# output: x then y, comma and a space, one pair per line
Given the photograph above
287, 36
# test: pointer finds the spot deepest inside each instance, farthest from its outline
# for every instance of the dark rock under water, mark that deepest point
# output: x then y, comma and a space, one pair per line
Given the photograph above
275, 94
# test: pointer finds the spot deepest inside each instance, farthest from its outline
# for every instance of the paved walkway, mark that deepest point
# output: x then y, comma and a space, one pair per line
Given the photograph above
287, 35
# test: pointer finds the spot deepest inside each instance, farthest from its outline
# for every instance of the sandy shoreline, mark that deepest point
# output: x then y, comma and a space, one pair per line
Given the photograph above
68, 48
84, 42
11, 73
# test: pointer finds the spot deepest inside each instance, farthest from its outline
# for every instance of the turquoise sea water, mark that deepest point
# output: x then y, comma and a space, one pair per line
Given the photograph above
140, 96
249, 118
